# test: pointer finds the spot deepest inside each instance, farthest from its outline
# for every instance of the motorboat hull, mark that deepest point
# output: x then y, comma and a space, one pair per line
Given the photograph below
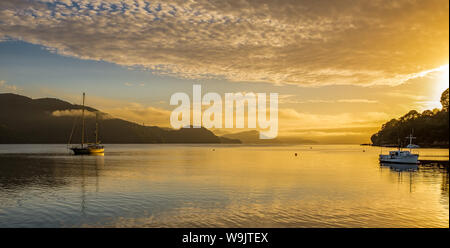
411, 159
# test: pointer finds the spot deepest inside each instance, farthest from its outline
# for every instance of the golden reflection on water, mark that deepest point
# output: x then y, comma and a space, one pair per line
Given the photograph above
223, 186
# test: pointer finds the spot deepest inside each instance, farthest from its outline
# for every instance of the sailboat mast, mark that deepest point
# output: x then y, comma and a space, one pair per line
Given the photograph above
82, 117
96, 128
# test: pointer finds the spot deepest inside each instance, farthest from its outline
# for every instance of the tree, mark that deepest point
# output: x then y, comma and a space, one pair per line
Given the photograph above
413, 114
444, 100
427, 113
430, 127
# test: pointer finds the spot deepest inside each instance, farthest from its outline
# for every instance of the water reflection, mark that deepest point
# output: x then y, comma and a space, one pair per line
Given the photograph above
18, 173
50, 171
232, 186
444, 184
428, 171
21, 174
401, 167
90, 165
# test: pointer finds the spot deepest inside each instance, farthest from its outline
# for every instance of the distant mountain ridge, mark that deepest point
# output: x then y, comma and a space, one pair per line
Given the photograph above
252, 137
26, 120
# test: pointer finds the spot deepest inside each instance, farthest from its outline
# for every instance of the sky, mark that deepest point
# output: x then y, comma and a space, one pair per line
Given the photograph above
341, 68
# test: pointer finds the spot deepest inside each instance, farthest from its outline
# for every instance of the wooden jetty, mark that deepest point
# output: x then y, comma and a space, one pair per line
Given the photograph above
434, 162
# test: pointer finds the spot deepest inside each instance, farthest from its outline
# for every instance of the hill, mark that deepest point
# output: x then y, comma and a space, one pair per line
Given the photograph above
50, 120
252, 137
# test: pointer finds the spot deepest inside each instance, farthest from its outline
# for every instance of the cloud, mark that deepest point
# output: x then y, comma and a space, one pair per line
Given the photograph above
291, 118
283, 42
405, 95
72, 112
112, 108
133, 84
8, 87
141, 114
357, 101
284, 99
348, 128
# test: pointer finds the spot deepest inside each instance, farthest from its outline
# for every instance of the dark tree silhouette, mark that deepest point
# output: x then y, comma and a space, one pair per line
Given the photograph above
444, 100
431, 127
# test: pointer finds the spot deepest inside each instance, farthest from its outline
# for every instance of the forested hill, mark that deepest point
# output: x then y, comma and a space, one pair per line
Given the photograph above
50, 120
431, 127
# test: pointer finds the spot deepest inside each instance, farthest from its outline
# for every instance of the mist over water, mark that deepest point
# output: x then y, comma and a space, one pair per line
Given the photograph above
218, 186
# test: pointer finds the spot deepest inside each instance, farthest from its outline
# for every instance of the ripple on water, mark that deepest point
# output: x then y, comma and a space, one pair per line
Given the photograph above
244, 186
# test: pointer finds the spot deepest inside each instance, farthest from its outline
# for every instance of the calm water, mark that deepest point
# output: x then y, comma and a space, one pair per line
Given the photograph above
230, 186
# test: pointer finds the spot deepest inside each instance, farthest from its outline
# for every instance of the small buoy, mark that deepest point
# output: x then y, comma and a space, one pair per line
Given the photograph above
364, 150
213, 150
296, 154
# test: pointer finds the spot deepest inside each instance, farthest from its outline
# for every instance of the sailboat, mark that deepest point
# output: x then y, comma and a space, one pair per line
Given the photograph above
87, 148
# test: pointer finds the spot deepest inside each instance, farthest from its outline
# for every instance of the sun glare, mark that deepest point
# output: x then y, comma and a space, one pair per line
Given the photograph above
443, 81
441, 84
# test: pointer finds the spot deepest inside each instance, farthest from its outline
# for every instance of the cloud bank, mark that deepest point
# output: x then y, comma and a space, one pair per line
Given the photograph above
7, 87
307, 43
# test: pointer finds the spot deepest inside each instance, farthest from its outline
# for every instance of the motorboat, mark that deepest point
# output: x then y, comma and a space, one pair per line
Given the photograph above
401, 157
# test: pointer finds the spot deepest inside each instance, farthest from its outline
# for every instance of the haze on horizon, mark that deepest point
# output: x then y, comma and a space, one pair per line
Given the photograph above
341, 68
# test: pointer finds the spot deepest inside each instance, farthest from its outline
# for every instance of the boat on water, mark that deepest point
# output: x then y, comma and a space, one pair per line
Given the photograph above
402, 157
87, 148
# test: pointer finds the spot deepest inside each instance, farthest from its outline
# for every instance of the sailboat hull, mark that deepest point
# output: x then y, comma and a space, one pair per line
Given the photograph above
97, 150
87, 150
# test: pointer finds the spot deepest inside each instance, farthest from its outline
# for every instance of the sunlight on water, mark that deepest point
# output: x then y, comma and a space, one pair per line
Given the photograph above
218, 186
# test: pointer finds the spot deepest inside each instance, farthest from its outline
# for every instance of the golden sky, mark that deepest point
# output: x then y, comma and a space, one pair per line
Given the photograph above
342, 68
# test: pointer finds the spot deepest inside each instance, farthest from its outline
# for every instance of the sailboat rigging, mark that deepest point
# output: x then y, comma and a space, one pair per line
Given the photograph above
86, 148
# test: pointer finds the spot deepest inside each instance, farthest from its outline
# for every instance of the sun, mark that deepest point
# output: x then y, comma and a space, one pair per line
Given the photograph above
438, 87
442, 83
